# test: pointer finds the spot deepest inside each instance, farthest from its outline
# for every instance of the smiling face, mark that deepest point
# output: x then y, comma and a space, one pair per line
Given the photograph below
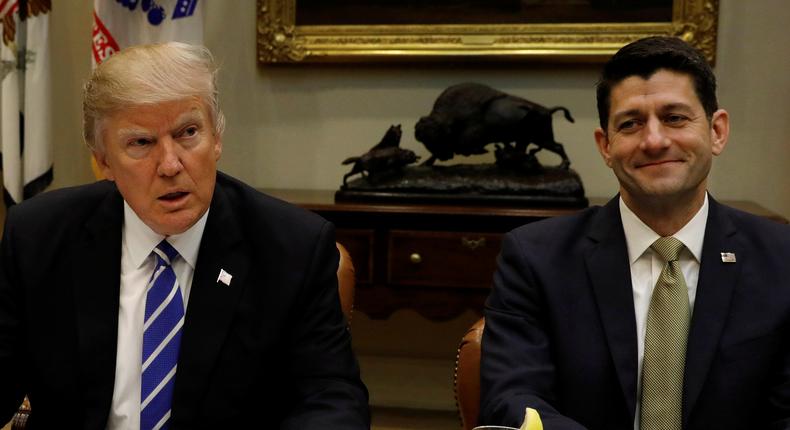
658, 141
163, 158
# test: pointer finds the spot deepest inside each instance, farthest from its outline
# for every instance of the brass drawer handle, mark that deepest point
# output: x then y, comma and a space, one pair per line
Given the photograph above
415, 258
473, 244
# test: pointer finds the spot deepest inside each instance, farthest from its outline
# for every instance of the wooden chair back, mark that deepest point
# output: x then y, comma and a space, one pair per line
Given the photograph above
467, 376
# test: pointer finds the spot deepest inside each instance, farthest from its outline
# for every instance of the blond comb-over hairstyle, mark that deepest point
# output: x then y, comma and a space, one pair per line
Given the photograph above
149, 74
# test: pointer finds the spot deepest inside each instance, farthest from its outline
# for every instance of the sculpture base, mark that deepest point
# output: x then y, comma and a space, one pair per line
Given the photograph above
469, 184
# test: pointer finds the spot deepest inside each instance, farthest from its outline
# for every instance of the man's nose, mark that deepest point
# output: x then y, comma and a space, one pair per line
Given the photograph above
654, 136
169, 158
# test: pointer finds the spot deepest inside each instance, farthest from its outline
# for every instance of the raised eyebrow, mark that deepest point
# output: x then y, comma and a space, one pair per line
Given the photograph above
192, 116
127, 133
676, 107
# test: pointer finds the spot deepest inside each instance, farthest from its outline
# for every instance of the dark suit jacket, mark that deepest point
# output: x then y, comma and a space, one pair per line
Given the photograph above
560, 332
270, 349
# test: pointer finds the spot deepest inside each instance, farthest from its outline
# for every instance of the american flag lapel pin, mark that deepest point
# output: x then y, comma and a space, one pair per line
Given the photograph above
728, 257
224, 277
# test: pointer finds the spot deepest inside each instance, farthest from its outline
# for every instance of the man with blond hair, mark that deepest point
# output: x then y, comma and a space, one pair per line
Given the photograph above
170, 295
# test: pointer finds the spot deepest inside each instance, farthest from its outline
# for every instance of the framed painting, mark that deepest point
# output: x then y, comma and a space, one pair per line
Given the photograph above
296, 31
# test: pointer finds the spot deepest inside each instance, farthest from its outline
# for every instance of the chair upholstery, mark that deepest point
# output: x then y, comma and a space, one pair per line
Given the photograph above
346, 284
20, 418
467, 376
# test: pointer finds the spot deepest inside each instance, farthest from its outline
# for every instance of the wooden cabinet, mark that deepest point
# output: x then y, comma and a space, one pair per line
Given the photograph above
436, 259
441, 258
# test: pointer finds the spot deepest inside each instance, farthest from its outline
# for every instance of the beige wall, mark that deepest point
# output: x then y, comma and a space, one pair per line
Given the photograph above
289, 127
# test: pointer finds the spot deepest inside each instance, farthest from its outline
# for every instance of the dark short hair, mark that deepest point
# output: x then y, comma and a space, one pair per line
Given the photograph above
645, 57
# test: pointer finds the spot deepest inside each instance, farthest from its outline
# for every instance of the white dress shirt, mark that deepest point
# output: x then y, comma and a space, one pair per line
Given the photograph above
646, 266
137, 265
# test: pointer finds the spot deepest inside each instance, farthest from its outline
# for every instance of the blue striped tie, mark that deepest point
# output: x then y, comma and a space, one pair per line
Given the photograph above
164, 317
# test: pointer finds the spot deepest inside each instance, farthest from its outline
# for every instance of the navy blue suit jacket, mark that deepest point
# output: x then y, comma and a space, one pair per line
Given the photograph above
269, 350
560, 332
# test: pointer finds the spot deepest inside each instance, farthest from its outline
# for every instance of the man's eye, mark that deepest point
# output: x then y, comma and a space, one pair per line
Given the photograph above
140, 142
189, 131
627, 125
674, 119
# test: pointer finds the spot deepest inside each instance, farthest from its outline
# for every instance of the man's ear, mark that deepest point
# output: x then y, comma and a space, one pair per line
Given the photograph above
602, 142
102, 165
217, 147
719, 131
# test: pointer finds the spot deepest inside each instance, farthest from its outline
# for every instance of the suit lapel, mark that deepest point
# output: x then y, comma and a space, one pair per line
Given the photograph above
717, 281
211, 305
96, 280
610, 274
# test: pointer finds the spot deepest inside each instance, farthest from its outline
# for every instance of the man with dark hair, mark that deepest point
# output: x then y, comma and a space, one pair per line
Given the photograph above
662, 309
653, 53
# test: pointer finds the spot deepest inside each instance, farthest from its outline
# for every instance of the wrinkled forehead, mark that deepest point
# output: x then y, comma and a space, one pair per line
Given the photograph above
155, 117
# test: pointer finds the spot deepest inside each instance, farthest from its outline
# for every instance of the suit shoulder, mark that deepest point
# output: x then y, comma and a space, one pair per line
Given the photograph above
557, 228
64, 203
262, 211
757, 227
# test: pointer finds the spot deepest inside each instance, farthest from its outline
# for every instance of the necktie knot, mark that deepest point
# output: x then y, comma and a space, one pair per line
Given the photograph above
668, 248
165, 251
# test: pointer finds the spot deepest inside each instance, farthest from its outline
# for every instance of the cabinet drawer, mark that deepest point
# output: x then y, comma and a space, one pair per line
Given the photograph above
446, 259
359, 244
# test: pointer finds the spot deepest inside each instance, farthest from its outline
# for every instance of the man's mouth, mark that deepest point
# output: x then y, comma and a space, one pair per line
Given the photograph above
656, 163
173, 196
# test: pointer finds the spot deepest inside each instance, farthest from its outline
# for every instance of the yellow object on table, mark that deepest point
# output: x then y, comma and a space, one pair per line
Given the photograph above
532, 420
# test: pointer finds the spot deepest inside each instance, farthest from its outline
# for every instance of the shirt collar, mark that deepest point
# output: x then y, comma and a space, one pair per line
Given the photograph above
639, 237
141, 240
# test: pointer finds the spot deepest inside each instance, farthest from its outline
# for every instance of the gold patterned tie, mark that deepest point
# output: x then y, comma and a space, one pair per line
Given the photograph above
665, 343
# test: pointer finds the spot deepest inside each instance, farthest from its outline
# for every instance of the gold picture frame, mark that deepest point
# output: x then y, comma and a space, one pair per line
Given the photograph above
281, 40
